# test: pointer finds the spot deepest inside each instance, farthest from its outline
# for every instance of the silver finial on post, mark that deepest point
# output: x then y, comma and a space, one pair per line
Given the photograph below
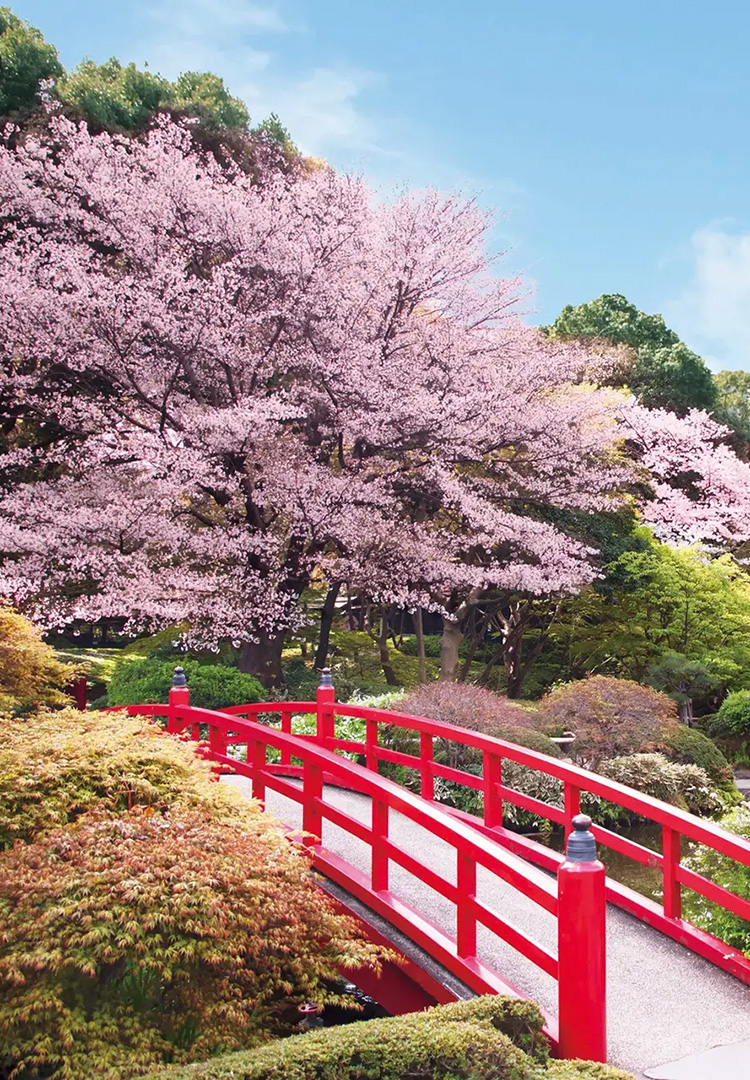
325, 679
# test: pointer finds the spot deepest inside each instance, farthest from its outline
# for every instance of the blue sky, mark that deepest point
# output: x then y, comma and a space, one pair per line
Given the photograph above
612, 139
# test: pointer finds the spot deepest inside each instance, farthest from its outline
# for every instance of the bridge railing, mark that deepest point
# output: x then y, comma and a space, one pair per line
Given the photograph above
676, 826
577, 901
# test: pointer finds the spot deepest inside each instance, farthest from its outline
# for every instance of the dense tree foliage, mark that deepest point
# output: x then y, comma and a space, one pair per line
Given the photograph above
675, 617
662, 371
610, 717
117, 97
25, 60
733, 406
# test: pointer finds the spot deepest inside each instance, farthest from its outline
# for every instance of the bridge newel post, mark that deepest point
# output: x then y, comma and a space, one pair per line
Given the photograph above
582, 947
179, 695
326, 699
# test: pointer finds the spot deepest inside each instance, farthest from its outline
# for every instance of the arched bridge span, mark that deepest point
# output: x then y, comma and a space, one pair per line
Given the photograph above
448, 882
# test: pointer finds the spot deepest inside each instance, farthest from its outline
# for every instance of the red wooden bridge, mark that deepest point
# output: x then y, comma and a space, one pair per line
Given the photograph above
470, 904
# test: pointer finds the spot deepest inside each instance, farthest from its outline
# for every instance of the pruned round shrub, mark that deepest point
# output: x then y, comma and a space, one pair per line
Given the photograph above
610, 717
212, 686
30, 672
692, 747
733, 717
56, 766
482, 1039
465, 705
687, 786
133, 940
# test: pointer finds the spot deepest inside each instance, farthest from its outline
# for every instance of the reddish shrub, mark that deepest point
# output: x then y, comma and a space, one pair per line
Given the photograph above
466, 706
610, 717
128, 941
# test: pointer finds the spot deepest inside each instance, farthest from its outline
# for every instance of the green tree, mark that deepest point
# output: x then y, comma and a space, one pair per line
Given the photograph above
119, 97
203, 94
114, 96
274, 131
25, 59
672, 614
733, 406
663, 373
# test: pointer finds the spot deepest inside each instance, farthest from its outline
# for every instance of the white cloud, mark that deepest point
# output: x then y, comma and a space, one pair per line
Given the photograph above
238, 40
713, 314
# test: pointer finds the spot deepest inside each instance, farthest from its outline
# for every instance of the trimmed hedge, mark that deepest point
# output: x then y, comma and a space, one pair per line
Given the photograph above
584, 1070
474, 1040
488, 1038
212, 686
692, 747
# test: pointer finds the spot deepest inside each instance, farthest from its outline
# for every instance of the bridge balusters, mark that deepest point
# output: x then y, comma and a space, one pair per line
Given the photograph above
256, 752
379, 871
572, 802
286, 727
466, 923
672, 853
426, 749
492, 770
312, 792
371, 742
217, 740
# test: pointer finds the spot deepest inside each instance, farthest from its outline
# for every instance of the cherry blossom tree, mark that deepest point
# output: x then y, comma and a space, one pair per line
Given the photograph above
218, 389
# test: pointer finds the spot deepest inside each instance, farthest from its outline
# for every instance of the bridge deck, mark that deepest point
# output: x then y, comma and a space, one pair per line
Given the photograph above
664, 1002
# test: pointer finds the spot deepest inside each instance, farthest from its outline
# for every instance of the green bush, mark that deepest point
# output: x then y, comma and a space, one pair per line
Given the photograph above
432, 645
733, 717
687, 786
729, 873
692, 747
584, 1070
484, 1039
54, 767
212, 686
133, 940
610, 717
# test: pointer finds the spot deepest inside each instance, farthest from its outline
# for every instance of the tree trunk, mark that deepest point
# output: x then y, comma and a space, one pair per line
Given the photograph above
385, 656
512, 628
326, 622
421, 658
450, 643
685, 712
262, 658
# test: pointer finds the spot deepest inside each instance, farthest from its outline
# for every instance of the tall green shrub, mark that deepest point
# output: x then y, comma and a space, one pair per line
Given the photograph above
212, 686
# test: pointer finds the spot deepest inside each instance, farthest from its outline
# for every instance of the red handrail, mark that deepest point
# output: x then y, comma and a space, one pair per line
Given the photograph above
581, 995
675, 823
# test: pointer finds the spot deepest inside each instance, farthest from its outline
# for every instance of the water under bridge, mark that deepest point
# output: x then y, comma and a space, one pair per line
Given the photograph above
472, 907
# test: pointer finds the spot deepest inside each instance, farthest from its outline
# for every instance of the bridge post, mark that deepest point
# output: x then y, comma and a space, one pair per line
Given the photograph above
325, 700
178, 695
582, 948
